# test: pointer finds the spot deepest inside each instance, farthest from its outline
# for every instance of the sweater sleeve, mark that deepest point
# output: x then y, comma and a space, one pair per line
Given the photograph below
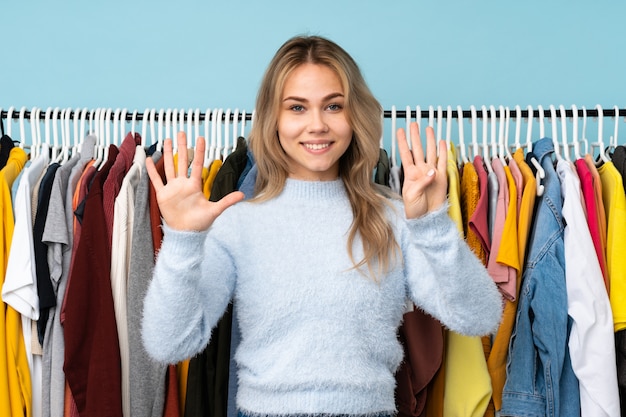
445, 279
188, 294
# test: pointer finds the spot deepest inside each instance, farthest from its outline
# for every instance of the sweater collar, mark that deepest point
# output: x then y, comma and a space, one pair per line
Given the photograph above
314, 190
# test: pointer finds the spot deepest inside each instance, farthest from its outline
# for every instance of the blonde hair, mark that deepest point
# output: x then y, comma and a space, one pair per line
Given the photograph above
363, 113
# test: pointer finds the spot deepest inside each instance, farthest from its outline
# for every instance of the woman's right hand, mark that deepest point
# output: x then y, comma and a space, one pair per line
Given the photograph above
181, 201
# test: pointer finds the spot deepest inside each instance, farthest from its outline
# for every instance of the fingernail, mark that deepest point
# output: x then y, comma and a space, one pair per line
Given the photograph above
430, 172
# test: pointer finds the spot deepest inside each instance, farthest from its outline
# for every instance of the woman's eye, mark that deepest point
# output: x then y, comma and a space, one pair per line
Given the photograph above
334, 107
297, 108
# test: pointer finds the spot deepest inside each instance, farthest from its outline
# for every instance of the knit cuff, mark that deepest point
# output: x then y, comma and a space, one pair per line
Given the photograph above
180, 243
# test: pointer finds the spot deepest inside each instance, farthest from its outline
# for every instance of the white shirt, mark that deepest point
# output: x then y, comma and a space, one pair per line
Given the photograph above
591, 340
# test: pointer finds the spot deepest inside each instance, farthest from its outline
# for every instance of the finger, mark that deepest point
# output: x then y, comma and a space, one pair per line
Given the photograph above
168, 160
416, 143
198, 158
183, 160
403, 147
227, 201
154, 176
431, 147
442, 162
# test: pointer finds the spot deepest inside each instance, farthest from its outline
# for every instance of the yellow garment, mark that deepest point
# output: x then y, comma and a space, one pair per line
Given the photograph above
470, 194
464, 357
615, 206
509, 255
208, 183
15, 383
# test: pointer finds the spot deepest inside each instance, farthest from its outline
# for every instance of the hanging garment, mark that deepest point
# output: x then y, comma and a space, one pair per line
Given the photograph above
92, 353
540, 378
20, 286
207, 386
121, 256
58, 236
463, 358
479, 222
591, 339
147, 377
592, 218
6, 144
14, 400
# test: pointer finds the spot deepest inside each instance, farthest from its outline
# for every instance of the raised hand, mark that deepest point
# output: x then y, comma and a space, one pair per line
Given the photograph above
425, 185
181, 201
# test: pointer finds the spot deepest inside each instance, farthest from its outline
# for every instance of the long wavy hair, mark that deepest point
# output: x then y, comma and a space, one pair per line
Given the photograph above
363, 113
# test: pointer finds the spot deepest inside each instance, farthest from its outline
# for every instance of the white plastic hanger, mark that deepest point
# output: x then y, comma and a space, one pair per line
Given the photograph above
22, 129
244, 119
407, 122
66, 135
133, 124
501, 126
47, 123
507, 121
190, 136
81, 131
94, 121
418, 119
542, 129
566, 150
600, 142
207, 137
555, 135
213, 145
575, 139
486, 158
463, 150
540, 174
584, 131
160, 136
518, 126
196, 124
219, 126
474, 131
493, 141
431, 117
226, 148
613, 140
235, 125
393, 131
34, 132
165, 122
9, 121
439, 123
107, 125
116, 125
122, 119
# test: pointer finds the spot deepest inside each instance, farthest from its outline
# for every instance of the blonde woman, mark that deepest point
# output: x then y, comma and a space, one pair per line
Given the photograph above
321, 262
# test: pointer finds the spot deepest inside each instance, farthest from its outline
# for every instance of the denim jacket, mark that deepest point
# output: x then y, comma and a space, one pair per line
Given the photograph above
540, 379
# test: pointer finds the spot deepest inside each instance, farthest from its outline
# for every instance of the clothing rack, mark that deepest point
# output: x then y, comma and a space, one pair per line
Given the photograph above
24, 113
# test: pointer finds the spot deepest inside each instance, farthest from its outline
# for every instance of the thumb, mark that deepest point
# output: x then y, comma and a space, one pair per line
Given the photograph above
227, 201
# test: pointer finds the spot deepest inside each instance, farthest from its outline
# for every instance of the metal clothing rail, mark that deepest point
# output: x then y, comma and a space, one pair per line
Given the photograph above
160, 115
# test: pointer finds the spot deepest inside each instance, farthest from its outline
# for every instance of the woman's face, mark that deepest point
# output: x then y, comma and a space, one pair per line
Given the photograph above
312, 126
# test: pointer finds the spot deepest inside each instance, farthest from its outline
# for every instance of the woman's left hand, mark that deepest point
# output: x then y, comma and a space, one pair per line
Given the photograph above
425, 185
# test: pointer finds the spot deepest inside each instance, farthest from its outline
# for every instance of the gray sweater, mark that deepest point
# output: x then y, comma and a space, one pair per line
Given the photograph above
317, 336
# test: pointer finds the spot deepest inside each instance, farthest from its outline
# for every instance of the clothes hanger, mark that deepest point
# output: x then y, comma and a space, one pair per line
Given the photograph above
542, 130
235, 124
196, 124
613, 140
540, 173
133, 123
190, 137
22, 130
486, 158
449, 130
213, 145
575, 143
518, 126
492, 124
107, 136
501, 135
431, 117
584, 132
56, 147
459, 118
393, 132
242, 125
9, 121
555, 139
207, 138
439, 123
165, 122
160, 137
474, 131
65, 135
220, 124
47, 123
600, 143
418, 119
226, 148
507, 121
81, 133
123, 120
35, 114
95, 118
566, 150
116, 125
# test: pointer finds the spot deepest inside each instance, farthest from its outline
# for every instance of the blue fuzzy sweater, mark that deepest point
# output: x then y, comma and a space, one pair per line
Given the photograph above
317, 336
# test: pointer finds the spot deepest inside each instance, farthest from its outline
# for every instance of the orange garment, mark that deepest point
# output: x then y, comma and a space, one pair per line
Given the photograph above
208, 183
470, 193
602, 222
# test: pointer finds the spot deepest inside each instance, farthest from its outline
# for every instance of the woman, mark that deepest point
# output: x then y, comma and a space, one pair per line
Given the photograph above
320, 262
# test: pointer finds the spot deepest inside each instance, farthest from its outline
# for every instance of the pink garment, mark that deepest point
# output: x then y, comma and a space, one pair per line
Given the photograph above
589, 196
502, 275
479, 221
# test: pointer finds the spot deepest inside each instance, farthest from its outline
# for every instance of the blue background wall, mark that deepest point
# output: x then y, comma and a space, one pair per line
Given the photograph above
188, 54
